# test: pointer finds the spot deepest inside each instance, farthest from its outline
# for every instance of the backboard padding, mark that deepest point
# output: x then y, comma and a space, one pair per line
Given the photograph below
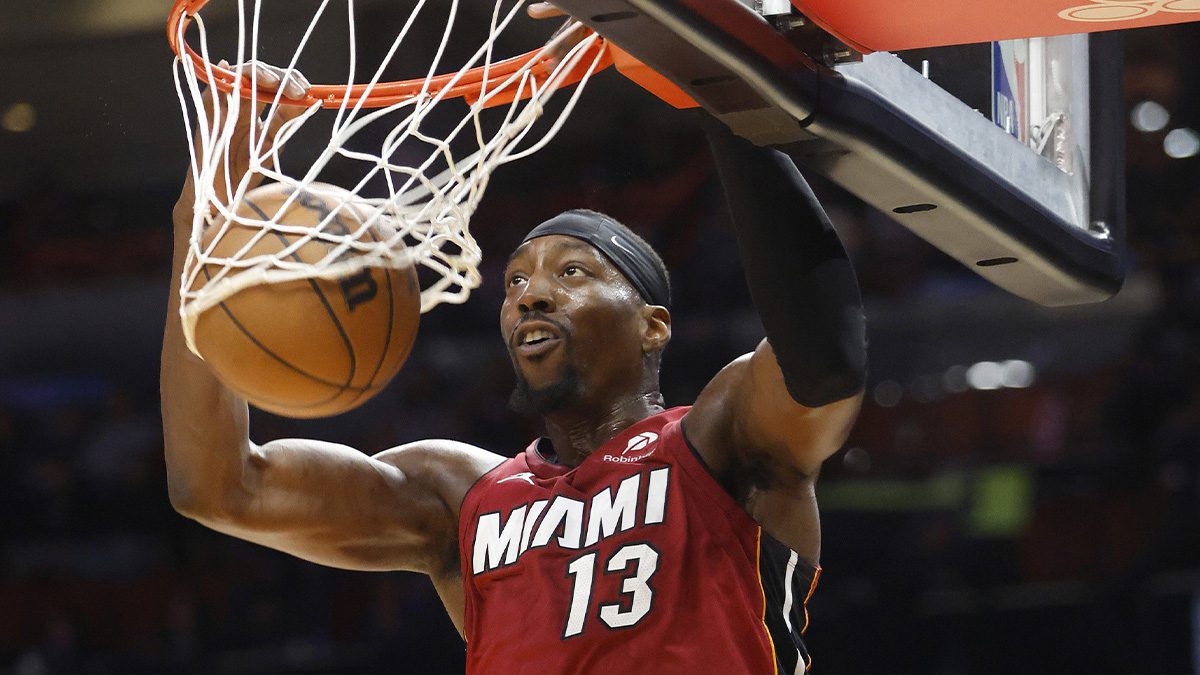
885, 25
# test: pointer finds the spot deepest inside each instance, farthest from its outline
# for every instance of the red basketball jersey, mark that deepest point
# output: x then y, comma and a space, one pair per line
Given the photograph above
634, 561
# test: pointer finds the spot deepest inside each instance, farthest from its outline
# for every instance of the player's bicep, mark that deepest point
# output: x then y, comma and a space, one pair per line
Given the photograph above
747, 410
770, 419
333, 505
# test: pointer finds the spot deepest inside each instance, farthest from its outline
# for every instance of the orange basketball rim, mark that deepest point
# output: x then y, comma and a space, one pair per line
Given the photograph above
469, 84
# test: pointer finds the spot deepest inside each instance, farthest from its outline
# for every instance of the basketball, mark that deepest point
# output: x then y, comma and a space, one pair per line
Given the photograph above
309, 347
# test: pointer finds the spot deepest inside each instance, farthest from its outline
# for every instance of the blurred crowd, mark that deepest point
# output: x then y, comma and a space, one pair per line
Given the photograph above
1052, 527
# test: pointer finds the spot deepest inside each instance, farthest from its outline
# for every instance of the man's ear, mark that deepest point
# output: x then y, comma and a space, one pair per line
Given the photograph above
656, 333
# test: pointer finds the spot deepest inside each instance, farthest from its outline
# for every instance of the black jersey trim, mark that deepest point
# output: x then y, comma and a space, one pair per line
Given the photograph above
688, 442
758, 564
786, 596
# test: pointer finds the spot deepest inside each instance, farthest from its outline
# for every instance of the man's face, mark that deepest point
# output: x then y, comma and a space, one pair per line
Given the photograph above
572, 324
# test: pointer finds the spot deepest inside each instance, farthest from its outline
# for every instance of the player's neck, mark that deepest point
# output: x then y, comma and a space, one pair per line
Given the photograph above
576, 434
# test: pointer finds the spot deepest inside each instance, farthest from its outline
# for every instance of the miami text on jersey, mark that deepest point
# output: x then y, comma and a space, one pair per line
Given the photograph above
570, 523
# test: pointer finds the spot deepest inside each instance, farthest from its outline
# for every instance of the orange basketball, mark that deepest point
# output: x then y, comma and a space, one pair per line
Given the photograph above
311, 347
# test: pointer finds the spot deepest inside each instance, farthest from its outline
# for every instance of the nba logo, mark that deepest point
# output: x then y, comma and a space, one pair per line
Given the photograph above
1009, 60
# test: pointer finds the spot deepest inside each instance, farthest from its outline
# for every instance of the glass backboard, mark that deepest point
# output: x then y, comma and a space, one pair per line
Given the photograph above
1033, 202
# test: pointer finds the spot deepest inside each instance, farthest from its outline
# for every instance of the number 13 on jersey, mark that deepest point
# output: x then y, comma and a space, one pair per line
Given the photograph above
637, 562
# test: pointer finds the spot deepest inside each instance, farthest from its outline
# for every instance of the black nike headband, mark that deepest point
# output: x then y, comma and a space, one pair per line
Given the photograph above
633, 257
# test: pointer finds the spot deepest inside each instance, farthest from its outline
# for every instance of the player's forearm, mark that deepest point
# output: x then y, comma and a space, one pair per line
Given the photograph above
204, 423
799, 275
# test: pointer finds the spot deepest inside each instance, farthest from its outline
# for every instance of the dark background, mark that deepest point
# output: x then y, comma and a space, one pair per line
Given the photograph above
1047, 528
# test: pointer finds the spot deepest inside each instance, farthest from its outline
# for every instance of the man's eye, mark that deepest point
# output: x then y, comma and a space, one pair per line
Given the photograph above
572, 270
516, 280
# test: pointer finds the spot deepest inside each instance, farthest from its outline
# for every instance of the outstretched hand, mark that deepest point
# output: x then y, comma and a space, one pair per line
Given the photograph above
295, 85
235, 160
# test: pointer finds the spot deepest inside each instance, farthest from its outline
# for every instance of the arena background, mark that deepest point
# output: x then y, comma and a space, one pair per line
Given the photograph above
1020, 494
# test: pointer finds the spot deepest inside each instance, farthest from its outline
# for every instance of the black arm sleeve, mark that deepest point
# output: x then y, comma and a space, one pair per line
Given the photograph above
800, 278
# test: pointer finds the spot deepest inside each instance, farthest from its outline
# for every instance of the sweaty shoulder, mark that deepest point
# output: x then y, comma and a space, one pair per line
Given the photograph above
448, 468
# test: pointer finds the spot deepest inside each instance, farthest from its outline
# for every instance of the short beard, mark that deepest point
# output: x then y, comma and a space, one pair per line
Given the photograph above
560, 395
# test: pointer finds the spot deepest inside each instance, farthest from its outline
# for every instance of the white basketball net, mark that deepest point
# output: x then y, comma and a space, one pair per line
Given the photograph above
430, 195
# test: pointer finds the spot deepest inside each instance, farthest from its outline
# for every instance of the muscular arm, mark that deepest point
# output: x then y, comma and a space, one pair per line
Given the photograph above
782, 410
320, 501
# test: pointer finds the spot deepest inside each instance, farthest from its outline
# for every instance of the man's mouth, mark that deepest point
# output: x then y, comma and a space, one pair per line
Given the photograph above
534, 337
535, 340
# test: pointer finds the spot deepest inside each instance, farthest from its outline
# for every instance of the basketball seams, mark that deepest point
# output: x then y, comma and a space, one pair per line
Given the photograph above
299, 371
387, 338
341, 332
282, 350
324, 302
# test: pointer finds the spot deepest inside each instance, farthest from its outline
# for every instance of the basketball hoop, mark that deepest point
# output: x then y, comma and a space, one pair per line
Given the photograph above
468, 83
414, 188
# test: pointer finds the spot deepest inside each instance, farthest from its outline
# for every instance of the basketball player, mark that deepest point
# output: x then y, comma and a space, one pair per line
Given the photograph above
632, 537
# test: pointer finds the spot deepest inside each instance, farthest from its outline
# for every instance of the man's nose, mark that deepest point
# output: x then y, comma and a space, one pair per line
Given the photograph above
538, 295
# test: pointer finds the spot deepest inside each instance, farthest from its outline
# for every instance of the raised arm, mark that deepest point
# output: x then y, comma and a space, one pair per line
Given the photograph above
793, 400
320, 501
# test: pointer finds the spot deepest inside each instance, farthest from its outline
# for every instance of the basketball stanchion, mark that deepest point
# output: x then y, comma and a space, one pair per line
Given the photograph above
419, 176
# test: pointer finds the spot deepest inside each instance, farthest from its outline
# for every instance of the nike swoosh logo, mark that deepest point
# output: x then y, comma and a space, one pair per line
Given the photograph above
619, 245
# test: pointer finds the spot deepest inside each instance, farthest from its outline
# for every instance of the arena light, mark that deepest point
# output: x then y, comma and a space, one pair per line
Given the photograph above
985, 376
1017, 374
19, 117
1149, 116
1182, 143
990, 375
